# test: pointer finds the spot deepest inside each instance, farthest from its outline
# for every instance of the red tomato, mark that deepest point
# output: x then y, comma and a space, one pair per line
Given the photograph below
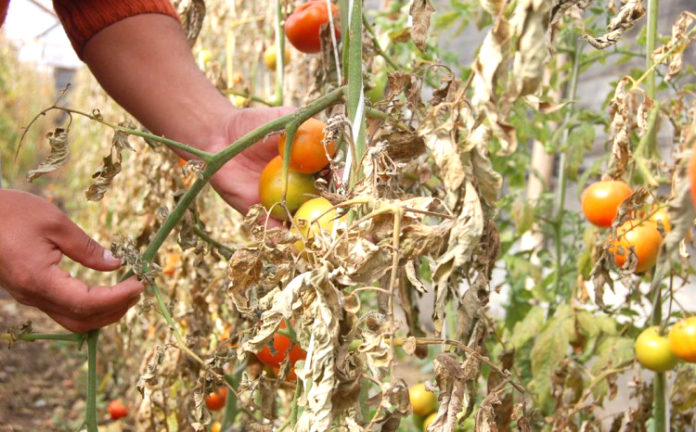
282, 348
601, 201
216, 400
308, 155
643, 237
117, 409
300, 188
303, 25
682, 339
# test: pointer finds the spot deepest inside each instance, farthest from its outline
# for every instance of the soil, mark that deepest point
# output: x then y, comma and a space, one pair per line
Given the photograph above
41, 383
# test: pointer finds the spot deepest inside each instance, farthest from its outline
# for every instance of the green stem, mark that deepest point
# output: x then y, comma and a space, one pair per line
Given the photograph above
355, 100
293, 413
248, 96
559, 205
231, 401
280, 55
91, 412
224, 250
659, 407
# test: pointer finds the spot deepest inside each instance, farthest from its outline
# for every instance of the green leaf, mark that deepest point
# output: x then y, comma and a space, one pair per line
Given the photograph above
594, 325
529, 327
550, 347
612, 352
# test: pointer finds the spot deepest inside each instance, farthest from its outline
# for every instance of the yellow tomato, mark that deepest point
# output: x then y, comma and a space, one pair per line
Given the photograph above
269, 56
428, 421
653, 352
216, 426
422, 401
313, 216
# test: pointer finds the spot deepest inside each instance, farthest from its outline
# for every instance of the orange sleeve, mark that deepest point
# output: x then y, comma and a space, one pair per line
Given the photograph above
82, 19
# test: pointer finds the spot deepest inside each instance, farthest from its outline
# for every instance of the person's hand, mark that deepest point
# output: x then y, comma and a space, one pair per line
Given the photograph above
238, 181
34, 235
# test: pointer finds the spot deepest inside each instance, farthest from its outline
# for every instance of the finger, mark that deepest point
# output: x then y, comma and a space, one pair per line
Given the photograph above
85, 325
76, 244
73, 298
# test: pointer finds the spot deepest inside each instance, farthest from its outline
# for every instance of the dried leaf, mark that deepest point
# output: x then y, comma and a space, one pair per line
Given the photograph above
58, 140
420, 11
530, 22
104, 176
673, 51
631, 11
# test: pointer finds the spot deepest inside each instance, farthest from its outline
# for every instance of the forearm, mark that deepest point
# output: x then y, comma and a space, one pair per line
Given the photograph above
145, 63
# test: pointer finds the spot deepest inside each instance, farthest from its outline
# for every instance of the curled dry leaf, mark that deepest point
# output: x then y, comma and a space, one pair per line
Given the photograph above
58, 140
631, 11
420, 11
672, 52
530, 22
104, 176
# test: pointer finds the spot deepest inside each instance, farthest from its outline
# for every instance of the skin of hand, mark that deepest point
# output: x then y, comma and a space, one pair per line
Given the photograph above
145, 64
34, 236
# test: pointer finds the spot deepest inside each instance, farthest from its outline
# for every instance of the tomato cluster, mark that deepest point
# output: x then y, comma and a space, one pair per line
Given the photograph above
660, 353
641, 234
282, 348
423, 403
307, 156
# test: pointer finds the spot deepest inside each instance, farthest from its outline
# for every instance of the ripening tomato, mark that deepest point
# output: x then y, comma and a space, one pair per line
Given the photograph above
300, 188
653, 352
643, 237
601, 201
170, 263
216, 426
312, 217
682, 339
308, 154
428, 421
303, 25
216, 400
282, 347
661, 216
269, 56
422, 400
117, 409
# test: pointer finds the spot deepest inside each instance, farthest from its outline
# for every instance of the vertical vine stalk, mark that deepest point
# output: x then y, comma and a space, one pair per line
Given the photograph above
659, 399
559, 204
280, 55
91, 411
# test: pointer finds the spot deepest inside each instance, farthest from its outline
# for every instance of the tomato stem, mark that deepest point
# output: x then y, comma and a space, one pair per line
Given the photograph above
91, 411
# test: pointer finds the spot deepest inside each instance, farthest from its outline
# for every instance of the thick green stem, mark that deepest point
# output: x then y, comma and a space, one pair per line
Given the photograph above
355, 99
91, 412
659, 407
559, 205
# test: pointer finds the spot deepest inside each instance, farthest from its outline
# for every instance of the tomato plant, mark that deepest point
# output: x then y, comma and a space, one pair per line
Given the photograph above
653, 351
643, 237
216, 400
312, 217
304, 23
682, 339
282, 348
422, 400
300, 188
308, 154
117, 410
601, 200
270, 56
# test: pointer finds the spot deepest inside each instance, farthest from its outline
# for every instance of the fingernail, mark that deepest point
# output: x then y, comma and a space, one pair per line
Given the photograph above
108, 256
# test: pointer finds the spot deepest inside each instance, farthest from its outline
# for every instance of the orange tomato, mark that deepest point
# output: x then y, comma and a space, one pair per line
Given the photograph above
216, 426
682, 339
661, 216
216, 400
601, 201
171, 260
312, 217
303, 25
308, 155
300, 188
643, 237
283, 348
117, 409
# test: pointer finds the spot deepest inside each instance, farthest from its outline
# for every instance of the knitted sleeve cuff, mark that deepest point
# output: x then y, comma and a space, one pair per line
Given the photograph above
82, 19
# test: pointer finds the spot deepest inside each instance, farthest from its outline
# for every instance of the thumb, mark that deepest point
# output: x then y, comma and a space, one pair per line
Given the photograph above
77, 245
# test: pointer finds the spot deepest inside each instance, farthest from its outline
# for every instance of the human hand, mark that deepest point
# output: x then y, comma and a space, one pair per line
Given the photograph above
33, 237
237, 181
